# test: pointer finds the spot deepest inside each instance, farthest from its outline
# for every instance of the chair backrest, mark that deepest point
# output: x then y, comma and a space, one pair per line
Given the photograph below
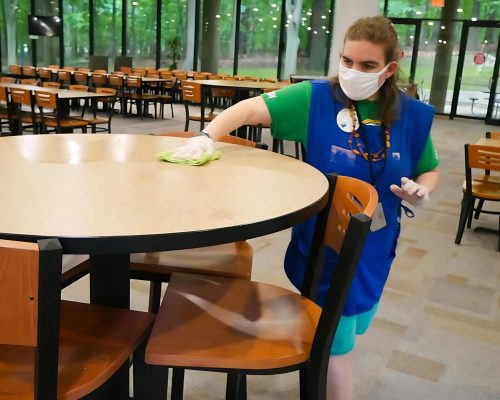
115, 81
122, 61
8, 79
54, 66
134, 82
224, 139
30, 305
83, 69
343, 225
45, 100
100, 71
29, 71
98, 79
191, 91
482, 157
64, 76
54, 85
29, 81
199, 76
69, 68
139, 72
180, 76
493, 135
81, 77
81, 88
20, 96
110, 91
15, 69
45, 73
125, 70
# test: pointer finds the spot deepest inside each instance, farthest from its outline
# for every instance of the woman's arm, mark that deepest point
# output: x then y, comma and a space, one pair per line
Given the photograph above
429, 179
252, 111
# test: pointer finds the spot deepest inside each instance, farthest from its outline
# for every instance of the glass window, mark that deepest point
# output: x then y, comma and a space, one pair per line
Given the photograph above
76, 39
307, 35
177, 40
108, 29
259, 38
15, 43
47, 48
141, 32
217, 36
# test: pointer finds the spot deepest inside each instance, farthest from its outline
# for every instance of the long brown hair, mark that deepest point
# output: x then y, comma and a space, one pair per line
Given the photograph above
376, 30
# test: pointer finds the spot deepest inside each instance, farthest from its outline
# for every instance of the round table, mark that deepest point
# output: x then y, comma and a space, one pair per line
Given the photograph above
109, 196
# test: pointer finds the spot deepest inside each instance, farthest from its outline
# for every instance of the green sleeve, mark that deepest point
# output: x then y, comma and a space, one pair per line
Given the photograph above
289, 109
429, 159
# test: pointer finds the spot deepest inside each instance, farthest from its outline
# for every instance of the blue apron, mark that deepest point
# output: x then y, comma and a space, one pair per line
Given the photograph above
328, 151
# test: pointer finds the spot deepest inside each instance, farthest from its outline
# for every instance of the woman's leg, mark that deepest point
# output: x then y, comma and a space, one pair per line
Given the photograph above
339, 380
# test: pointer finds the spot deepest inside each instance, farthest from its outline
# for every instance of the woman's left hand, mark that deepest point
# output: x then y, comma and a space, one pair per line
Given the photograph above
411, 191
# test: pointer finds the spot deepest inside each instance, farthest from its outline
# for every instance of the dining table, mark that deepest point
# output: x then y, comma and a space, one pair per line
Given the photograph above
109, 196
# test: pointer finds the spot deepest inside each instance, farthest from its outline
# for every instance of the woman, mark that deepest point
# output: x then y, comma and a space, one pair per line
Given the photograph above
358, 124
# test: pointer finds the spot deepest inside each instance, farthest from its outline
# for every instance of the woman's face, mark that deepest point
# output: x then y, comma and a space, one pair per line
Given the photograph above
365, 56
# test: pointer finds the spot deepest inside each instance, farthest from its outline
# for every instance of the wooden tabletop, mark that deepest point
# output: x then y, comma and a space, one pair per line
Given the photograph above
241, 84
97, 191
61, 93
489, 142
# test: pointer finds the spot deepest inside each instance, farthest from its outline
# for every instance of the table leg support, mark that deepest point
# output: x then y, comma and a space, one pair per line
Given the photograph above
110, 280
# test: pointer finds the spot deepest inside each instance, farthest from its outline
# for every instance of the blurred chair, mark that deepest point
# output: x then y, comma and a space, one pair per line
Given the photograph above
49, 100
23, 108
81, 78
54, 66
122, 61
109, 103
117, 82
16, 70
244, 327
191, 95
69, 68
5, 111
486, 158
29, 71
7, 79
60, 349
53, 85
29, 81
166, 96
98, 80
64, 78
134, 93
45, 74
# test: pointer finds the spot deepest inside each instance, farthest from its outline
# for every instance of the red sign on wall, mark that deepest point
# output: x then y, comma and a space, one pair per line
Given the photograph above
479, 58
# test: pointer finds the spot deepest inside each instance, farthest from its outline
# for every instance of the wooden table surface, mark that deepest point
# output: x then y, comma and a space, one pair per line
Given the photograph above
93, 191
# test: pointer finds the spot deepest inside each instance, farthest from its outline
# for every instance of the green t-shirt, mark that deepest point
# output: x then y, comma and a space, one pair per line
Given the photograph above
289, 109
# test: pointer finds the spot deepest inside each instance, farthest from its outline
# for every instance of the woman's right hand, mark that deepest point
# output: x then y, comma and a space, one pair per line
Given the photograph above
194, 148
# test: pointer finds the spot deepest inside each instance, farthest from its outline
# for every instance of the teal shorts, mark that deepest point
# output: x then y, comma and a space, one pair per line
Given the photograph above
348, 328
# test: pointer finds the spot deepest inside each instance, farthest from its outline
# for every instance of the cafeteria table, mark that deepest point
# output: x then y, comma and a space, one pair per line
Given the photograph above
108, 196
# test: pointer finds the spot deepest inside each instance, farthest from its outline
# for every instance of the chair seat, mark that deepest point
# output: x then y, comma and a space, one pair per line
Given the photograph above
226, 323
86, 360
487, 178
232, 260
208, 117
96, 121
485, 190
65, 123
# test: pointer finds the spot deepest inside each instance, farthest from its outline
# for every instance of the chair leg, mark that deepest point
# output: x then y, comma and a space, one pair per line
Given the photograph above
150, 382
471, 213
479, 209
177, 384
172, 108
464, 213
154, 296
236, 387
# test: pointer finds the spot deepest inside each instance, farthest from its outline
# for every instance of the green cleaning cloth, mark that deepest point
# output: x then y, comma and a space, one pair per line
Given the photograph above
204, 158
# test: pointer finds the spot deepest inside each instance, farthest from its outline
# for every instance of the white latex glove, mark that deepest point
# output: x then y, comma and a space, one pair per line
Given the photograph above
411, 192
194, 148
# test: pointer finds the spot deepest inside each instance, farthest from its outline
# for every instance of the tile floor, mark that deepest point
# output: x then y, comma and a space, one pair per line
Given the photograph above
437, 332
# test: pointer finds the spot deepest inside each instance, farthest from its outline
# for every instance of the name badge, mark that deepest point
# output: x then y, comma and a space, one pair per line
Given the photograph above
378, 219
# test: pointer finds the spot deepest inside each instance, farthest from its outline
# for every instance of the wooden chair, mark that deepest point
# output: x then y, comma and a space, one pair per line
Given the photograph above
54, 66
29, 81
109, 109
486, 158
81, 78
7, 79
100, 71
16, 70
126, 70
60, 349
139, 72
64, 78
5, 111
117, 82
29, 72
48, 100
45, 74
22, 104
134, 92
76, 103
69, 68
166, 96
98, 80
244, 327
53, 85
191, 94
83, 69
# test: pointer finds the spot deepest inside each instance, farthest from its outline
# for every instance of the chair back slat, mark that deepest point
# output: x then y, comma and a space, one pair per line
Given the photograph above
45, 73
134, 82
191, 91
483, 157
29, 71
18, 293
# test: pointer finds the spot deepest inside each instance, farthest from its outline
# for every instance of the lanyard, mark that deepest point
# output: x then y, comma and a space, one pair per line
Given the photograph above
362, 135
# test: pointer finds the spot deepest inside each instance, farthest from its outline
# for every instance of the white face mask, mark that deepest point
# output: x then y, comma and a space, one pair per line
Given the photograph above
359, 85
